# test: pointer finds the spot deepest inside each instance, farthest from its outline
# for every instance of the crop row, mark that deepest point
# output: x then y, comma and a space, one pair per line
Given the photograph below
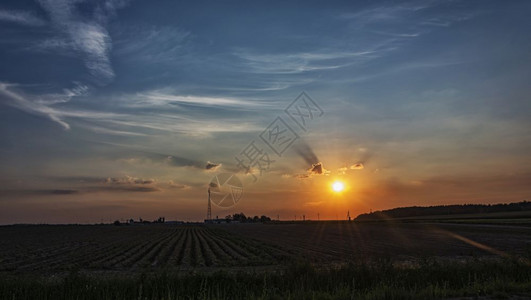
134, 248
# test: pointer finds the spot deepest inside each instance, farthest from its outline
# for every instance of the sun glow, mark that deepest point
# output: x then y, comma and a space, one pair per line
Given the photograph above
338, 186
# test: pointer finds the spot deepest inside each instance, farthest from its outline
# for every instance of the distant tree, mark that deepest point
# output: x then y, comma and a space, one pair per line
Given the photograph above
415, 211
264, 219
242, 218
117, 223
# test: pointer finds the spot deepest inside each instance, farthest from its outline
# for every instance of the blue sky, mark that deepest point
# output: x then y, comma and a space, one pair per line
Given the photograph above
111, 109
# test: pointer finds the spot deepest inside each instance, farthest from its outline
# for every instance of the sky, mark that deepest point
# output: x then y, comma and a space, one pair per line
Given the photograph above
117, 109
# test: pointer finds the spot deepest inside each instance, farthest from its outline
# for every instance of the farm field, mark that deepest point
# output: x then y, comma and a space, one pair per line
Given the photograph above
205, 247
128, 248
342, 241
311, 260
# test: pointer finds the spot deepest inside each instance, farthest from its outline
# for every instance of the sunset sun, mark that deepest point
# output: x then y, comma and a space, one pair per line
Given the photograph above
338, 186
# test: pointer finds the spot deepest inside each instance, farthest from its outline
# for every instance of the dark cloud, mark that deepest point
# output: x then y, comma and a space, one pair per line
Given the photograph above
77, 179
176, 185
128, 184
123, 188
357, 166
316, 168
128, 180
90, 184
179, 161
309, 156
212, 166
64, 192
41, 192
306, 152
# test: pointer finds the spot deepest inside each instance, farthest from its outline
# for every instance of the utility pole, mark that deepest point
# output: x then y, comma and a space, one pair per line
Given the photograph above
209, 211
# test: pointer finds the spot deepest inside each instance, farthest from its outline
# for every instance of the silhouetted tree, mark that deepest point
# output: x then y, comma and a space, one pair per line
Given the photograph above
240, 217
415, 211
265, 219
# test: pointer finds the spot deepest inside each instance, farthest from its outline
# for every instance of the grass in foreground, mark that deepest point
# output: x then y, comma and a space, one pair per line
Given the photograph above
379, 280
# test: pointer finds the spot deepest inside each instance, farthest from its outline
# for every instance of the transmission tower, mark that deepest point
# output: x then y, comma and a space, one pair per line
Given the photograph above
209, 211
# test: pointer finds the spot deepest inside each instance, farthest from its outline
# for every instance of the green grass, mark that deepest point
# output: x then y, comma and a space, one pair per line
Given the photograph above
378, 280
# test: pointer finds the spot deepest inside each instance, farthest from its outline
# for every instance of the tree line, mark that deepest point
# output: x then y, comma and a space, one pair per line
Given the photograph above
417, 211
242, 218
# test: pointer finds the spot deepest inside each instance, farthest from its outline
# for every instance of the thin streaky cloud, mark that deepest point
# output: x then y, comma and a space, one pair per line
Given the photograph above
108, 121
88, 37
399, 35
20, 17
23, 104
187, 127
406, 67
154, 44
103, 130
385, 13
292, 63
157, 98
28, 104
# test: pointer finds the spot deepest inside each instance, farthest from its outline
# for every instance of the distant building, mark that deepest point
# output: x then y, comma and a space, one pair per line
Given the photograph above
174, 222
217, 221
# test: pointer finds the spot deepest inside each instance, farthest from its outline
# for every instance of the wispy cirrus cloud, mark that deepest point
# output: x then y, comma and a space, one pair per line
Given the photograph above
292, 63
42, 105
184, 125
384, 13
153, 44
21, 17
129, 122
89, 37
391, 26
157, 98
108, 131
